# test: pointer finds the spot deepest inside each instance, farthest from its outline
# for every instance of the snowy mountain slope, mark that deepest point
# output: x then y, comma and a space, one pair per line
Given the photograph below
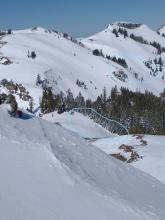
50, 173
135, 53
61, 61
147, 33
150, 148
58, 59
79, 124
161, 30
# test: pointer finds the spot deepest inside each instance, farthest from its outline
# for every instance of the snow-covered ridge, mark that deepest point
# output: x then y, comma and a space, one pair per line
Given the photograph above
30, 30
62, 60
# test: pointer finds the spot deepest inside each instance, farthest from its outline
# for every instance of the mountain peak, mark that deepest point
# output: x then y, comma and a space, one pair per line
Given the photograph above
124, 24
38, 28
35, 29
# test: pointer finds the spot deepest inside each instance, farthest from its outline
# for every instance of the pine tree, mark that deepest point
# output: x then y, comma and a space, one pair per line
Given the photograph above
80, 101
47, 102
31, 105
33, 55
125, 33
114, 31
70, 103
9, 31
38, 81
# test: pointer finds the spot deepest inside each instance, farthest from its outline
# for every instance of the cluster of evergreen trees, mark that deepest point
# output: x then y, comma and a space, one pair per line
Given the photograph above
81, 84
120, 75
132, 36
120, 61
97, 52
66, 36
32, 54
121, 31
129, 25
163, 35
141, 113
158, 65
159, 48
3, 33
138, 39
60, 102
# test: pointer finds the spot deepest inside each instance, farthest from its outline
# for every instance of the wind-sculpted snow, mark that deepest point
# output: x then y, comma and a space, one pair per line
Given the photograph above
50, 173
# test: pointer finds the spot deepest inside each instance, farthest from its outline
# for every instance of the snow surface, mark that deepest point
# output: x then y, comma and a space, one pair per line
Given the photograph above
153, 153
50, 173
79, 124
162, 30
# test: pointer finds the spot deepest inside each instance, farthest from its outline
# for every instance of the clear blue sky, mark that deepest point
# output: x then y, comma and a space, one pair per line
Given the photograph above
79, 17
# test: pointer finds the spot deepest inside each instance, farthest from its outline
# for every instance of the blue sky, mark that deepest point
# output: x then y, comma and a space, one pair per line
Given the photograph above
79, 17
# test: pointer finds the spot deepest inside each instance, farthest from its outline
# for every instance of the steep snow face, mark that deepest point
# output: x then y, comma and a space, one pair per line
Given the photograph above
50, 173
135, 53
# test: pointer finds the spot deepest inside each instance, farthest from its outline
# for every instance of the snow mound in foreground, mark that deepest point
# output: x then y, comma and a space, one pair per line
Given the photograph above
50, 173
